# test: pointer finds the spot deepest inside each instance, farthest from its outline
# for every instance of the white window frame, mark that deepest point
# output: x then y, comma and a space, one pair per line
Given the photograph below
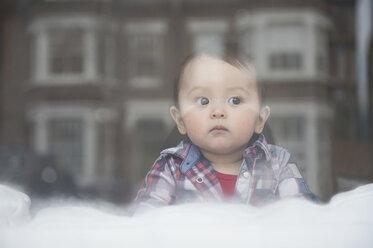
148, 109
40, 115
137, 110
322, 51
257, 22
40, 71
156, 27
203, 27
284, 48
312, 112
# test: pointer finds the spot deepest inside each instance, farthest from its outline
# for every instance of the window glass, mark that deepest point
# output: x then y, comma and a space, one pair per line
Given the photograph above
65, 143
209, 43
144, 55
321, 47
341, 68
289, 128
285, 47
66, 51
289, 132
285, 61
246, 45
145, 51
150, 139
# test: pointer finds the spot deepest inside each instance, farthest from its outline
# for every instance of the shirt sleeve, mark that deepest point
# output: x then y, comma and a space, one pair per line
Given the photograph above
292, 184
157, 189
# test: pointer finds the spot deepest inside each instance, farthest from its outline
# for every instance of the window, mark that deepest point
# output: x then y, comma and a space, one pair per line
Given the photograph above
150, 138
209, 43
321, 51
285, 61
284, 44
145, 51
64, 50
65, 142
290, 132
208, 36
303, 127
285, 47
291, 127
68, 133
150, 122
145, 60
246, 44
341, 69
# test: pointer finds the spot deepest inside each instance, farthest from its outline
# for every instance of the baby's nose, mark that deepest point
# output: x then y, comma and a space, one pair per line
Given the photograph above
218, 112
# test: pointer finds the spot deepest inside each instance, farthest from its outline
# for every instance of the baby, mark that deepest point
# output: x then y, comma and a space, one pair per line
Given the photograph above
225, 156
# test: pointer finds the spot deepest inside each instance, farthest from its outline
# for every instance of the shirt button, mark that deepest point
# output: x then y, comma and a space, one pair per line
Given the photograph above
199, 179
246, 174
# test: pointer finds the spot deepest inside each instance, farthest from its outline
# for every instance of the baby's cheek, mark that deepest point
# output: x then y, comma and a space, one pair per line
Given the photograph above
245, 127
196, 127
193, 123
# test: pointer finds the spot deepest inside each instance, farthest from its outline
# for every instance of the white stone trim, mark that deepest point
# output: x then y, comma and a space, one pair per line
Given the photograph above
203, 25
41, 114
145, 82
63, 21
154, 26
148, 109
311, 111
208, 34
280, 107
258, 17
41, 74
258, 20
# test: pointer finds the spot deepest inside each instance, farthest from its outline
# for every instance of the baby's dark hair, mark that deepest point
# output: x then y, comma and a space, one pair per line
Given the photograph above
236, 61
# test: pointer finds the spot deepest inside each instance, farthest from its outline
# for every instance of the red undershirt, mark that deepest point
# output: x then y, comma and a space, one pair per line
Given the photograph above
227, 182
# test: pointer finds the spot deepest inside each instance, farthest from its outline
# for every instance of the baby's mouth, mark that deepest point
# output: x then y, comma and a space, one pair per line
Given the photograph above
218, 128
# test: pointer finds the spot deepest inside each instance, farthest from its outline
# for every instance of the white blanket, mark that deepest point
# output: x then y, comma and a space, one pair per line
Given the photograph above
346, 221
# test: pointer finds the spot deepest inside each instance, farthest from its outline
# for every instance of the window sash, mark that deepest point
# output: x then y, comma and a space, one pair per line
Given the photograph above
211, 43
285, 61
285, 47
145, 55
66, 51
65, 142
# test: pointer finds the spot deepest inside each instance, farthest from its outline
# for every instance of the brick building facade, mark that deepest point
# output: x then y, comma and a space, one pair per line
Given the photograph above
86, 85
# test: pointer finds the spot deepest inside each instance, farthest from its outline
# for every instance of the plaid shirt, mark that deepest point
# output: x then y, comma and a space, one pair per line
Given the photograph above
182, 174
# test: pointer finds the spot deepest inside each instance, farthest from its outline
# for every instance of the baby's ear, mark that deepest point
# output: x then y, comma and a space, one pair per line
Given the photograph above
262, 118
176, 115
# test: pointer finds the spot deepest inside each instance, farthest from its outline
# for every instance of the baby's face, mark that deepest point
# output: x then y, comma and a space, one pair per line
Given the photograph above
218, 106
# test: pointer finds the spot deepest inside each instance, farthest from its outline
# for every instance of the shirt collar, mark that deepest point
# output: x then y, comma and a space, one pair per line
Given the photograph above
259, 144
187, 151
190, 153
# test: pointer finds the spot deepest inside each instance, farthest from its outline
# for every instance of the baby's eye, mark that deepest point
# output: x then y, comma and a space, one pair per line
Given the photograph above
203, 101
234, 100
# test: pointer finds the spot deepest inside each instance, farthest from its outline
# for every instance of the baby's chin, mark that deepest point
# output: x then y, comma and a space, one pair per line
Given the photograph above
221, 148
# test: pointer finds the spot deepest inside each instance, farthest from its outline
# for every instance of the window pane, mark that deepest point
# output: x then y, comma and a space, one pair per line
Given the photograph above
286, 61
285, 46
150, 138
66, 51
288, 128
290, 132
145, 59
65, 143
209, 43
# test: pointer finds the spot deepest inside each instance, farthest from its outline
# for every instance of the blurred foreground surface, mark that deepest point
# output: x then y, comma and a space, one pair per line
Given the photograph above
346, 221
